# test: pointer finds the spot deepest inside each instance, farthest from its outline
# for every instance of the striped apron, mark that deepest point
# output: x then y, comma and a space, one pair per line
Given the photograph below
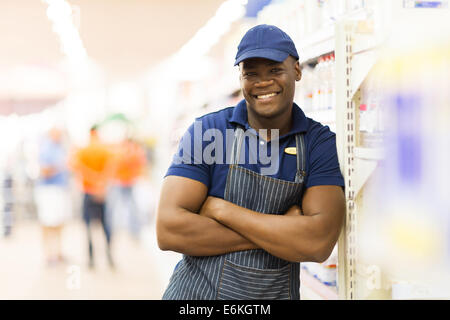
248, 274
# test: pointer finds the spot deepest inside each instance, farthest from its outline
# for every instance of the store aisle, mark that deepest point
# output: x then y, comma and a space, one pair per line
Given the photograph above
24, 274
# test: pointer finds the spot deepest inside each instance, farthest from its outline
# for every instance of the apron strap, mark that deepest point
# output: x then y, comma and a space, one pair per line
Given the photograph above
237, 145
301, 156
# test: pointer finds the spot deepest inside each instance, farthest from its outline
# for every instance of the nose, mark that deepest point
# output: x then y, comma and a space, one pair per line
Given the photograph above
263, 83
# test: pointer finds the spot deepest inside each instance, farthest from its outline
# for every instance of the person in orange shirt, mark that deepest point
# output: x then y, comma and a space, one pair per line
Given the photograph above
130, 162
94, 166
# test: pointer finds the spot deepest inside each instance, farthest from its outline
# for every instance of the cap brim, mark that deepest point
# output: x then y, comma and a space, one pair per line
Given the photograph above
271, 54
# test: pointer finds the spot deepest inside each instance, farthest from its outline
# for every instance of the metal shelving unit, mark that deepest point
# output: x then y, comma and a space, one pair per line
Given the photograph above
356, 50
356, 54
317, 44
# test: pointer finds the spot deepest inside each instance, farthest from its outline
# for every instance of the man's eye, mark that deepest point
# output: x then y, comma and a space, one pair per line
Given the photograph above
276, 70
250, 74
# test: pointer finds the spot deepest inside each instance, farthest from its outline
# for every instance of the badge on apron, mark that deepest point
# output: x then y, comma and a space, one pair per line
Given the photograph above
291, 150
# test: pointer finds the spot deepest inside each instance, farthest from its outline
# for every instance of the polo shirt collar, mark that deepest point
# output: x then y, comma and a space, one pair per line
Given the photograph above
239, 115
300, 122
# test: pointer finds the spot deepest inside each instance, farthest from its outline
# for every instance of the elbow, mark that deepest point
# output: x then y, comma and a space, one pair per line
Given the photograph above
315, 253
171, 231
163, 244
322, 252
162, 240
166, 241
302, 255
164, 235
320, 257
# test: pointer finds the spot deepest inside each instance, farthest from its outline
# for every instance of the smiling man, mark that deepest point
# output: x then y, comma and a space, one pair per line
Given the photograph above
243, 233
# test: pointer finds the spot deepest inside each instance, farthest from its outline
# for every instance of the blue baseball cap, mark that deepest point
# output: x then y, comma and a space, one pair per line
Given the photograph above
265, 41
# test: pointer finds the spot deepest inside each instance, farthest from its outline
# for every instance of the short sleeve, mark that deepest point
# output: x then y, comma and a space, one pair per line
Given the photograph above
188, 161
324, 166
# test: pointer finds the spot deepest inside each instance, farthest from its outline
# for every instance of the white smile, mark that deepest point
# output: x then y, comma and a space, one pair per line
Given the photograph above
266, 96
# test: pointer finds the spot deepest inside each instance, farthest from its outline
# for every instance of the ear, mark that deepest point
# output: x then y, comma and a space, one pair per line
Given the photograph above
298, 71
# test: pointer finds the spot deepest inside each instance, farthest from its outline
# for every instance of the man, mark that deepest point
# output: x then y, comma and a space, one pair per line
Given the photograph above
243, 232
94, 166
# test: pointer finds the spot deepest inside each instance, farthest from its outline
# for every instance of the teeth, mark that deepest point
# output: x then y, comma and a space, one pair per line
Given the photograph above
266, 96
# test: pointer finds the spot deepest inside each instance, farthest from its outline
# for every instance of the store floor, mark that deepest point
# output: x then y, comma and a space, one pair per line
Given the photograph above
141, 270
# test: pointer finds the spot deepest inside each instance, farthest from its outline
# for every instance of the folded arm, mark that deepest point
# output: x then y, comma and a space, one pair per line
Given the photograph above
181, 228
293, 237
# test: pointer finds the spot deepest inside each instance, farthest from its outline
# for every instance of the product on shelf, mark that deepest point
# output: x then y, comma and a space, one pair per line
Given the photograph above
316, 91
304, 90
318, 86
325, 272
329, 267
371, 124
330, 76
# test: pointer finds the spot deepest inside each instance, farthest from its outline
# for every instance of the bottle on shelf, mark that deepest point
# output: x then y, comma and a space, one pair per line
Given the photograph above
371, 124
316, 85
363, 117
325, 272
305, 89
331, 83
328, 82
323, 84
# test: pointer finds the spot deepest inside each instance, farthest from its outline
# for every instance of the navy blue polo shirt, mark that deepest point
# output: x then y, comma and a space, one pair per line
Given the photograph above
204, 150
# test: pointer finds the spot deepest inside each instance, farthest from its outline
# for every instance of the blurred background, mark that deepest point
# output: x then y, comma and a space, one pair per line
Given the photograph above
95, 95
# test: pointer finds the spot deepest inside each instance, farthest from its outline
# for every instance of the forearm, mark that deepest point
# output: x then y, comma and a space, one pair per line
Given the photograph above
192, 234
293, 238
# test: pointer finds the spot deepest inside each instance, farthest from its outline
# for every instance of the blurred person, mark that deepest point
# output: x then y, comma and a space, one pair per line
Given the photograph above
8, 202
51, 194
130, 162
243, 230
94, 165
